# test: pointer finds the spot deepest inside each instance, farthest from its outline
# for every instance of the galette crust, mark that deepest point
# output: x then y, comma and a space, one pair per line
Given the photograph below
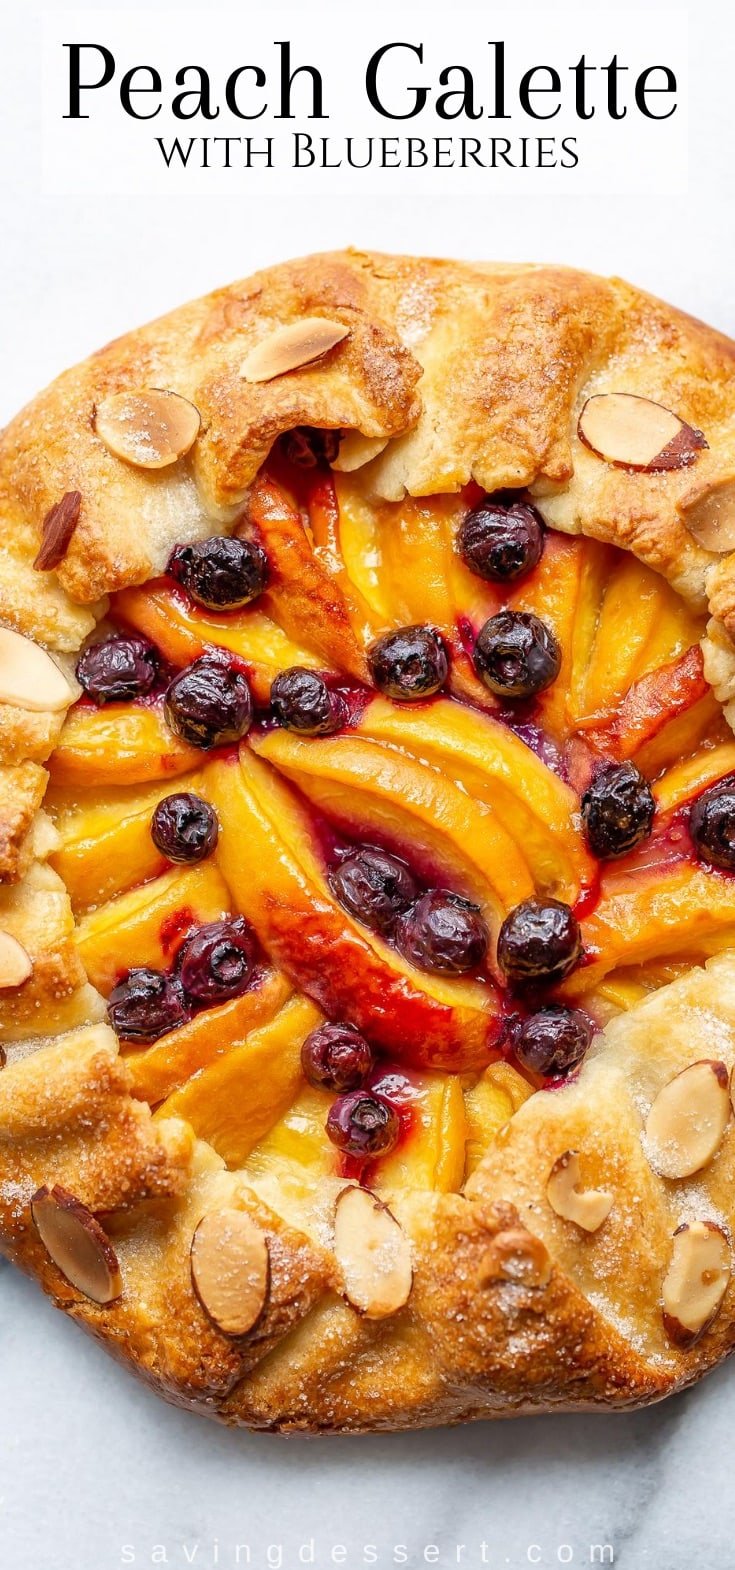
461, 371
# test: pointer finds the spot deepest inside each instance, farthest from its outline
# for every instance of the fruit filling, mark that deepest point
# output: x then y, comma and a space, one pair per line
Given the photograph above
373, 813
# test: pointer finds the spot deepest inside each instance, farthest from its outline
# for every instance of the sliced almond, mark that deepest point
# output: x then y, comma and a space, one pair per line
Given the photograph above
15, 962
150, 428
696, 1280
355, 450
57, 531
77, 1244
29, 677
515, 1255
587, 1208
289, 347
230, 1270
373, 1253
636, 433
710, 519
688, 1118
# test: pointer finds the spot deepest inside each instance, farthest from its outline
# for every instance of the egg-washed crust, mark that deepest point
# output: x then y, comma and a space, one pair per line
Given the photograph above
463, 371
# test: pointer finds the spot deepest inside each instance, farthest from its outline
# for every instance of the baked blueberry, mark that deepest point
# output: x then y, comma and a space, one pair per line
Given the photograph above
617, 810
501, 538
216, 963
146, 1005
409, 663
712, 826
539, 943
553, 1041
443, 932
220, 573
336, 1057
302, 701
123, 667
184, 828
374, 886
209, 703
362, 1124
517, 655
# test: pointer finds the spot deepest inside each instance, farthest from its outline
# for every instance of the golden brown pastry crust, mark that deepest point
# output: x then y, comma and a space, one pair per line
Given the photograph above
463, 371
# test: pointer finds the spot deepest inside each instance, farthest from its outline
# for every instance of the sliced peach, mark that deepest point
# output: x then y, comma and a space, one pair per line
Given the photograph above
489, 1104
359, 546
295, 1167
598, 564
369, 789
146, 925
431, 1154
416, 546
158, 1070
621, 639
105, 843
496, 768
681, 736
183, 631
686, 780
552, 592
235, 1101
268, 855
125, 744
650, 704
324, 521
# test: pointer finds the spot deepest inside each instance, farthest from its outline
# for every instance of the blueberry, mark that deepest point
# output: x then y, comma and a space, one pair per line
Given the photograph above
374, 887
362, 1124
552, 1042
217, 962
121, 668
409, 663
712, 826
539, 943
336, 1057
501, 539
443, 932
184, 828
209, 703
617, 810
302, 701
517, 655
220, 573
146, 1005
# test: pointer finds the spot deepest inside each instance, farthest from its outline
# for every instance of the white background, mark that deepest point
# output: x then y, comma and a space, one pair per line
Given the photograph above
90, 1461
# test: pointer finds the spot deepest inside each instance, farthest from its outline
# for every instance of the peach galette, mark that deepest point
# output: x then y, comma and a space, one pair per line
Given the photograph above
367, 836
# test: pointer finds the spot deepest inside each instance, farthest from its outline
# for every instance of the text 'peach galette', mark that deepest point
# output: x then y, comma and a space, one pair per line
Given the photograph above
367, 841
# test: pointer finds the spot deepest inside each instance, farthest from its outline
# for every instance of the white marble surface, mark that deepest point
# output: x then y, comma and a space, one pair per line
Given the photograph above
90, 1461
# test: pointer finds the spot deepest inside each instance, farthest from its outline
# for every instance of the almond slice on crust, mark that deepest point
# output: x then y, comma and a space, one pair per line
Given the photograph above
230, 1270
57, 530
688, 1118
631, 432
29, 677
355, 450
149, 428
587, 1208
16, 964
287, 348
696, 1280
710, 518
373, 1253
77, 1244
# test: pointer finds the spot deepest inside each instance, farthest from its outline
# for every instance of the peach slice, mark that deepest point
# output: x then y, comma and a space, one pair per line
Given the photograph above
682, 735
686, 780
369, 789
621, 639
157, 1071
267, 853
324, 522
106, 846
126, 744
431, 1154
489, 1105
631, 432
496, 768
295, 1168
359, 547
553, 592
235, 1101
650, 704
144, 926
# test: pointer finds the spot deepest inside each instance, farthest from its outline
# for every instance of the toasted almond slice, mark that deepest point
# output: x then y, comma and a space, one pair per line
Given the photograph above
230, 1270
636, 433
29, 677
15, 962
587, 1208
355, 450
77, 1244
373, 1253
57, 531
515, 1255
696, 1280
710, 519
149, 428
287, 348
688, 1118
